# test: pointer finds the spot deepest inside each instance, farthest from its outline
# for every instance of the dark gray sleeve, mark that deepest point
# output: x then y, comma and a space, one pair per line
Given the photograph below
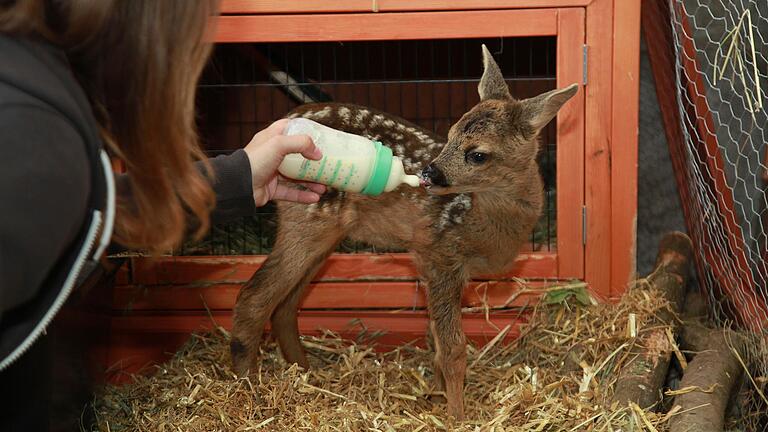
44, 187
233, 186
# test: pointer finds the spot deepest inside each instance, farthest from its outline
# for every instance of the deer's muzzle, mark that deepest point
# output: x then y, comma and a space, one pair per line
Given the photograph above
433, 176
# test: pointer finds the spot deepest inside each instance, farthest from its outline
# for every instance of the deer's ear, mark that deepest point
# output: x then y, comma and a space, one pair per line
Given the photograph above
492, 84
539, 110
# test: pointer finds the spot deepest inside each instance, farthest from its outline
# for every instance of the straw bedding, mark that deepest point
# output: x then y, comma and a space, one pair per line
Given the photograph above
557, 376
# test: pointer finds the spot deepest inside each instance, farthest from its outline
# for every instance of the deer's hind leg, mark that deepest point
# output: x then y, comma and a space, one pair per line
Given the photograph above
301, 248
285, 324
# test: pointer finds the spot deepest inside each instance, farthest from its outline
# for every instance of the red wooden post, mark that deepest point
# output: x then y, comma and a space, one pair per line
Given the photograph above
624, 136
598, 146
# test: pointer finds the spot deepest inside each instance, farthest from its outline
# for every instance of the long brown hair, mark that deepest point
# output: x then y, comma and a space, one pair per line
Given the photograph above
139, 62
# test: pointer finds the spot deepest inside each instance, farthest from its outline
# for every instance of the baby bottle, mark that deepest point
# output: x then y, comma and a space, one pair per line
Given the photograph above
350, 162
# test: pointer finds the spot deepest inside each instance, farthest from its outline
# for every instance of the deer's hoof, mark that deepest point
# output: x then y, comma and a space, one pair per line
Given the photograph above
437, 398
242, 358
456, 414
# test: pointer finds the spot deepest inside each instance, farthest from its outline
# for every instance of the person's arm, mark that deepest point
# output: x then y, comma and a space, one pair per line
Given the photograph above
248, 178
232, 185
232, 188
45, 181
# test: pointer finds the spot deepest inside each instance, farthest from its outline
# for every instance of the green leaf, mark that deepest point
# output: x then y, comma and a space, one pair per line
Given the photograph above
576, 289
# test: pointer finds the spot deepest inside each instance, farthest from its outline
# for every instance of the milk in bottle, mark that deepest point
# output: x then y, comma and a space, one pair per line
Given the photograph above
350, 162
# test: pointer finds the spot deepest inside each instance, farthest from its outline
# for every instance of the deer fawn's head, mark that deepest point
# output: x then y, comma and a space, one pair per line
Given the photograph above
496, 142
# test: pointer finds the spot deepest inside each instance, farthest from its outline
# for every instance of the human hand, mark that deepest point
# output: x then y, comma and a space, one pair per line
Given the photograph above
265, 153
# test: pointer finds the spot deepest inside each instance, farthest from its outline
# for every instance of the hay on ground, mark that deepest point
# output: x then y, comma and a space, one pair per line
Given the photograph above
558, 376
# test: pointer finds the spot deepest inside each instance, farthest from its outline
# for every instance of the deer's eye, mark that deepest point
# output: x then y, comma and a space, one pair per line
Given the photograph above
475, 157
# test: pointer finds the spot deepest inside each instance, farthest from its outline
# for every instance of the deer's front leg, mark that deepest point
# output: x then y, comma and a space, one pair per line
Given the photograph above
445, 284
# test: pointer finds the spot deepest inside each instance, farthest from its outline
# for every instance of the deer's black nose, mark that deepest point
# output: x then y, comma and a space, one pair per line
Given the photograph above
433, 176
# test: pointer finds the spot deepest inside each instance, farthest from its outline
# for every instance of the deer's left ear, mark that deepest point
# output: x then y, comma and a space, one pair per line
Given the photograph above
492, 84
541, 109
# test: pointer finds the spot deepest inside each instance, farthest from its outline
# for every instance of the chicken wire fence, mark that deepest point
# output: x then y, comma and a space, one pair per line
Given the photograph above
721, 59
431, 83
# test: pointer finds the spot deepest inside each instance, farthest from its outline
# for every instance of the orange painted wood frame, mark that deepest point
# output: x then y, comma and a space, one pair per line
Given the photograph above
596, 159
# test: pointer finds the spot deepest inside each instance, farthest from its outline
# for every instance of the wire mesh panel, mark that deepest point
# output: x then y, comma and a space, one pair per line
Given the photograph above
431, 83
721, 56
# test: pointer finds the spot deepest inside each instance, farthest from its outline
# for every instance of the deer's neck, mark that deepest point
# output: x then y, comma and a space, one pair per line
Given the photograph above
501, 203
521, 196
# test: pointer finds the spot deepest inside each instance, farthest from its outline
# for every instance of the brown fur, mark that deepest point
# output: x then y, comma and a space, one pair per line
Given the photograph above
474, 224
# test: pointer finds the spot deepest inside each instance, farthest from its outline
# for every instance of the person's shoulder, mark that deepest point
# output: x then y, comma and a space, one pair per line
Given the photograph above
30, 124
44, 143
39, 142
34, 73
13, 98
43, 112
27, 83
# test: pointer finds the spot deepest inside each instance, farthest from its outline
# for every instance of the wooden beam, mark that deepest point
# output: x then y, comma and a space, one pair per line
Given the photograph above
598, 146
181, 270
326, 295
344, 6
400, 26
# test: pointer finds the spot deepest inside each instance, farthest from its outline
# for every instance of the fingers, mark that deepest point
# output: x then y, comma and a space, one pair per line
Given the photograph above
271, 143
314, 187
266, 155
303, 144
286, 193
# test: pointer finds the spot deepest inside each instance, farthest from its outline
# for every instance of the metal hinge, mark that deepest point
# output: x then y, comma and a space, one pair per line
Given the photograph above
584, 225
585, 50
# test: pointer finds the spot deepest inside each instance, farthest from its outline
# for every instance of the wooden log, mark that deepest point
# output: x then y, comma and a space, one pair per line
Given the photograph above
696, 307
711, 377
641, 378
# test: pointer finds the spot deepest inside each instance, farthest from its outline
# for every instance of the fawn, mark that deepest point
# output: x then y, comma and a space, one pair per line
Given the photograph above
483, 195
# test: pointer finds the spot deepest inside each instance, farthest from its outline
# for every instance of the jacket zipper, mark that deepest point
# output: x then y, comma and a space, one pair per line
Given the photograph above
69, 283
77, 267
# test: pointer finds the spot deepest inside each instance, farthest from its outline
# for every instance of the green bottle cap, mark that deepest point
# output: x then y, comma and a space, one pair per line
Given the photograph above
380, 173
